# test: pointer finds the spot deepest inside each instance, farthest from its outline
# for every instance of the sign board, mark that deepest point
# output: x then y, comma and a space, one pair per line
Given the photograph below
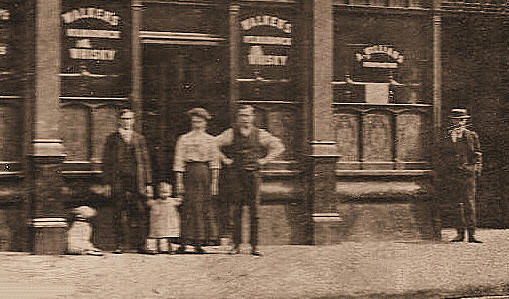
375, 62
184, 18
95, 43
267, 40
380, 56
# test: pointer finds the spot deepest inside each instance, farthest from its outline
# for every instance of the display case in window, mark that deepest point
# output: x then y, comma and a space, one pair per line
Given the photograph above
381, 74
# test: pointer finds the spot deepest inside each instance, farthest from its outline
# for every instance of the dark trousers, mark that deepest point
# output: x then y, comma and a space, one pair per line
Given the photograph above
130, 220
224, 202
462, 192
245, 189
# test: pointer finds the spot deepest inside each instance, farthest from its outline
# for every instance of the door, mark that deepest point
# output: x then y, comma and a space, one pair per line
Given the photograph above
176, 79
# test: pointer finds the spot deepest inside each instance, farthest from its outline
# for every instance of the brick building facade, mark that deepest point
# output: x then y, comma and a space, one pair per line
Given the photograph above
357, 91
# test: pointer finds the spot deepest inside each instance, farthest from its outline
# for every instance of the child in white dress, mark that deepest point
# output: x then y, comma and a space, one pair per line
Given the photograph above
164, 221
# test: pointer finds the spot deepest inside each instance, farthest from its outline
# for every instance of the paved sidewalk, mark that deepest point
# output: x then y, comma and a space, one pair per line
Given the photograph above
362, 270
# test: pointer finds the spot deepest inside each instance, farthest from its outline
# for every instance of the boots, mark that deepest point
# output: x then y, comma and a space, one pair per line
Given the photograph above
182, 248
460, 237
471, 239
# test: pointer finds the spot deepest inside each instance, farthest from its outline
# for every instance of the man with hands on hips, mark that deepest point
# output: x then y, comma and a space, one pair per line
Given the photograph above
248, 148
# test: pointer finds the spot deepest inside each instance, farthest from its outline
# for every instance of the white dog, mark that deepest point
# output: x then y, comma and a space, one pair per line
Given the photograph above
78, 237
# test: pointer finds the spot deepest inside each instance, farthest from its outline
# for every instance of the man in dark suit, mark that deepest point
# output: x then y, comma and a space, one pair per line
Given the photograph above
460, 161
128, 178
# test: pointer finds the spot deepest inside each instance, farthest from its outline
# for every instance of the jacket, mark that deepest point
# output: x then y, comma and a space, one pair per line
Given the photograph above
110, 163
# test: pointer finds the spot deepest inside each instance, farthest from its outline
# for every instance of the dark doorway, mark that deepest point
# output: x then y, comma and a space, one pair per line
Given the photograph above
475, 61
176, 79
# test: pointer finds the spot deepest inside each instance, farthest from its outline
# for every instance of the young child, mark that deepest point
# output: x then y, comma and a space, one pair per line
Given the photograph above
164, 221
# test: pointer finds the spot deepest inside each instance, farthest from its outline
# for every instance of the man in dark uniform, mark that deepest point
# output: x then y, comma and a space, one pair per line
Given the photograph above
461, 160
249, 149
127, 174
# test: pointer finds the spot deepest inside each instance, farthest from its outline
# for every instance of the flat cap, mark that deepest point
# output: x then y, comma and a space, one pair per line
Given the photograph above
459, 113
199, 112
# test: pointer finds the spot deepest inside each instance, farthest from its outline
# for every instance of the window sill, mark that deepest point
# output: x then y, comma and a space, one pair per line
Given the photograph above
378, 8
383, 105
378, 173
80, 173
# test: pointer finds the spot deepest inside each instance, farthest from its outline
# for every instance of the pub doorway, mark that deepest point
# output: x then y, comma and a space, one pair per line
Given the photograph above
176, 79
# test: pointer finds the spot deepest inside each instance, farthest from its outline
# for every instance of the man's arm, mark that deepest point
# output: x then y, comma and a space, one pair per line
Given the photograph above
146, 158
477, 148
224, 139
147, 167
108, 160
273, 144
477, 154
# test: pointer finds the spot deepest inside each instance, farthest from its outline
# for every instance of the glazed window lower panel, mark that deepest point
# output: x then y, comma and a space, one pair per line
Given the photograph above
11, 136
85, 124
383, 138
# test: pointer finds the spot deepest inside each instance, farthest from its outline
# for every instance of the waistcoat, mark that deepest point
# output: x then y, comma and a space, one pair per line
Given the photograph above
246, 150
457, 153
127, 168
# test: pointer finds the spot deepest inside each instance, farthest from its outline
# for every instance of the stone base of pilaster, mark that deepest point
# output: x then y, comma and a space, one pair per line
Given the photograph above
326, 222
49, 224
50, 235
327, 228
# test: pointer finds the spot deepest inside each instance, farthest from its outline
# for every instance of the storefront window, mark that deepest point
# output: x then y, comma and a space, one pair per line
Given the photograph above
380, 87
95, 49
95, 73
269, 75
380, 60
11, 43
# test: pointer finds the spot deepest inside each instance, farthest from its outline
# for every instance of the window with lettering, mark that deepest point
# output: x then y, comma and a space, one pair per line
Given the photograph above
95, 60
381, 60
381, 89
266, 40
269, 76
94, 74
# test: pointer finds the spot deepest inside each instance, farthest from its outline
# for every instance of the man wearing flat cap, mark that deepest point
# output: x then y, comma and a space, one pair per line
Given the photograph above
459, 162
249, 148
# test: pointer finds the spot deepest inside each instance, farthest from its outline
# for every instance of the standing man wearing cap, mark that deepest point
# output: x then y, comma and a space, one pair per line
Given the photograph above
128, 178
249, 149
461, 160
197, 167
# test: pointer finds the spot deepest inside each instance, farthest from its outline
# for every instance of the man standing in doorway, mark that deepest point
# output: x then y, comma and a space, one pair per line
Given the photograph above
249, 149
461, 162
127, 174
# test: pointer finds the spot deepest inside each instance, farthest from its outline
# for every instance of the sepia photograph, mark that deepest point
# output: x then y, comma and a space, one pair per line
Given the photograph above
254, 149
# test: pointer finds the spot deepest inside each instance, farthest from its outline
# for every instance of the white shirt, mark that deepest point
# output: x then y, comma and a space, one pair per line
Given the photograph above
196, 146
